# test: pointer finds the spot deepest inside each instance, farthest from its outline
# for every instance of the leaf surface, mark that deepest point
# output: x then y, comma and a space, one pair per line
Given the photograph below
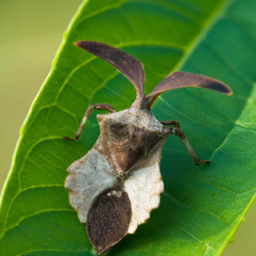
202, 206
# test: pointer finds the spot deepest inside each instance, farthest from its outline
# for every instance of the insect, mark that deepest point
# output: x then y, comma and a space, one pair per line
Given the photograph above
118, 182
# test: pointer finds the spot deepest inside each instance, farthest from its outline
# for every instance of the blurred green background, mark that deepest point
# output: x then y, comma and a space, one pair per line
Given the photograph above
31, 32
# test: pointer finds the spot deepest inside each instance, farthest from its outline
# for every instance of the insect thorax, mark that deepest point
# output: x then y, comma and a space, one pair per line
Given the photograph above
129, 137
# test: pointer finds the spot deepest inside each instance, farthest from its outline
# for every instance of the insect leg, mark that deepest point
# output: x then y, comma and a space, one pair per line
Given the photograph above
175, 130
172, 123
88, 112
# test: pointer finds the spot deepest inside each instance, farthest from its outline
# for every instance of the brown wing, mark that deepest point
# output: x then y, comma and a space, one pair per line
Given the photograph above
109, 219
184, 79
128, 65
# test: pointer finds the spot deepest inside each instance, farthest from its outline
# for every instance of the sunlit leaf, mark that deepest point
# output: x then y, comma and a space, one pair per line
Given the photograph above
202, 206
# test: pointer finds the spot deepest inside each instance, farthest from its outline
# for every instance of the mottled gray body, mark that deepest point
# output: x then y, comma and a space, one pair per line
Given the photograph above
117, 184
89, 177
130, 142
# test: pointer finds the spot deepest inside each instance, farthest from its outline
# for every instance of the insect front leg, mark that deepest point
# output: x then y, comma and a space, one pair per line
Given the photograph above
88, 112
176, 130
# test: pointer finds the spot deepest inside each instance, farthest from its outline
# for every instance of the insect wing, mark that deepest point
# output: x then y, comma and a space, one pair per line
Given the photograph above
89, 177
143, 187
109, 219
128, 65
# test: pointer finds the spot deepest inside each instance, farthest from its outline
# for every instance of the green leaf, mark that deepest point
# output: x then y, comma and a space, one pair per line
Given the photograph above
202, 206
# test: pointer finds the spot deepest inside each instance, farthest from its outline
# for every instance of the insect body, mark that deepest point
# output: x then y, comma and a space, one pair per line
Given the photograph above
117, 183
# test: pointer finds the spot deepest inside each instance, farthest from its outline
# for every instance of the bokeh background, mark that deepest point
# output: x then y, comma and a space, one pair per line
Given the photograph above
30, 34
